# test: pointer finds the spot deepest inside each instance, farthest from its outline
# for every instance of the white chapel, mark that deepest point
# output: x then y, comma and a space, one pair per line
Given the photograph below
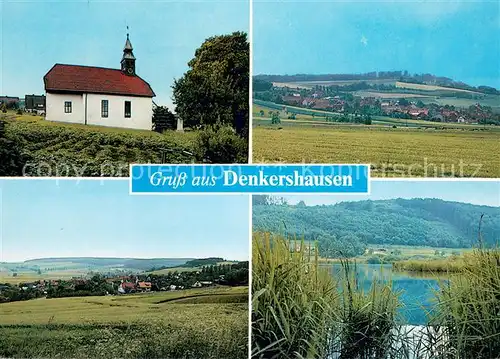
100, 96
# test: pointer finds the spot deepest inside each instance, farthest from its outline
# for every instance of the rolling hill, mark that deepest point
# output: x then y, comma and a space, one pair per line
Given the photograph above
415, 222
81, 265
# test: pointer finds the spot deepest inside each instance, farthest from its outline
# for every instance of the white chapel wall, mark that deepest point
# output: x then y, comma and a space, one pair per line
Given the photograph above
141, 114
55, 108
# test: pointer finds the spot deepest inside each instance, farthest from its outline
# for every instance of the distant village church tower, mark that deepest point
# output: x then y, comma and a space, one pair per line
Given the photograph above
100, 96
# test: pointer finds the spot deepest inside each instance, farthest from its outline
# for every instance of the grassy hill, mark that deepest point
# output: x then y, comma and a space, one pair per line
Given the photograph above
414, 86
78, 150
64, 268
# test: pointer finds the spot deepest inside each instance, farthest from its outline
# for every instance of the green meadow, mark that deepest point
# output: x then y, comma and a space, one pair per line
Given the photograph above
195, 323
57, 149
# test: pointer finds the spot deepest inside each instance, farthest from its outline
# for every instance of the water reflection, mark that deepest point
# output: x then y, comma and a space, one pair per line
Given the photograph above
417, 289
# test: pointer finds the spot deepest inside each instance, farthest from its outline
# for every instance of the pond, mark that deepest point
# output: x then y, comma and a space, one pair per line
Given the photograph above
416, 289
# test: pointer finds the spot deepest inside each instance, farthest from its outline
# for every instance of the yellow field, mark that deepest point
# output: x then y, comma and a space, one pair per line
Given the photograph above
312, 84
198, 323
389, 94
32, 277
123, 309
401, 152
429, 87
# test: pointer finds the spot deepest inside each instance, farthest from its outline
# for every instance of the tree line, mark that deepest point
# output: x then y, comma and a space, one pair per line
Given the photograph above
212, 96
235, 274
348, 227
223, 274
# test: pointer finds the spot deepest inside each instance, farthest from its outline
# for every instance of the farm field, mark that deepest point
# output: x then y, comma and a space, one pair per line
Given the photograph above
208, 323
269, 106
78, 150
175, 269
311, 84
32, 276
413, 86
390, 95
488, 100
400, 152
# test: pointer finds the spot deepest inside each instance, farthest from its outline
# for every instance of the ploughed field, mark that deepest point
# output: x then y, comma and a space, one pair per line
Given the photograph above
395, 152
195, 323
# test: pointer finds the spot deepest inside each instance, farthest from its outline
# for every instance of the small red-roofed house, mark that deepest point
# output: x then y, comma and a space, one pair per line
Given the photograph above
127, 287
144, 286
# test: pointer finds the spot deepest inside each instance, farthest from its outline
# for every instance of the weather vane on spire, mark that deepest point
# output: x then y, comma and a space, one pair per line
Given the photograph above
127, 31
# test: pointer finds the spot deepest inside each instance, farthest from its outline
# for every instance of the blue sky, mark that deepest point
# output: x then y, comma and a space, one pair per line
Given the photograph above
476, 192
165, 34
49, 218
458, 39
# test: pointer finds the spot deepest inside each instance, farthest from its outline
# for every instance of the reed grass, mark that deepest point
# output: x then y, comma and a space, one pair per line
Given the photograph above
469, 307
301, 310
293, 300
368, 319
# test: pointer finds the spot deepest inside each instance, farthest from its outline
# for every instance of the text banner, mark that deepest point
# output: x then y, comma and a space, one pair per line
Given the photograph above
171, 179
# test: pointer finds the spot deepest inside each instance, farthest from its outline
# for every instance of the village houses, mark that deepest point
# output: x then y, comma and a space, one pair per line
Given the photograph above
402, 108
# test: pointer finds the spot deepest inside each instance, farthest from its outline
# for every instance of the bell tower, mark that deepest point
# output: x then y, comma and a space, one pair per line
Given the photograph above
128, 59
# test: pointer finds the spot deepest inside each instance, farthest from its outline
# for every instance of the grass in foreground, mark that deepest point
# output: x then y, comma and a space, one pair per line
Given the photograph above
204, 323
300, 311
288, 287
368, 319
391, 152
292, 301
469, 307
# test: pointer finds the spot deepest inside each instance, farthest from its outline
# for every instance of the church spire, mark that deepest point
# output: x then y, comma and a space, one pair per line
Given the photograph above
128, 45
128, 59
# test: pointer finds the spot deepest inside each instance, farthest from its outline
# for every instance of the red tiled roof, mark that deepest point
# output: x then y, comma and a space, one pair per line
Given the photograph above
128, 285
144, 284
74, 78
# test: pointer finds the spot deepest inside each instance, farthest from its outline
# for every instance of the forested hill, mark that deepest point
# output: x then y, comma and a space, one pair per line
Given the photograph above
419, 222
